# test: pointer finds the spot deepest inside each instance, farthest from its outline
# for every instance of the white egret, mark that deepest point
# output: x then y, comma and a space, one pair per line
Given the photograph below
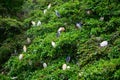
45, 10
78, 25
38, 23
101, 18
89, 11
64, 66
68, 67
33, 23
24, 48
14, 78
61, 29
49, 6
44, 65
28, 40
104, 43
53, 44
21, 56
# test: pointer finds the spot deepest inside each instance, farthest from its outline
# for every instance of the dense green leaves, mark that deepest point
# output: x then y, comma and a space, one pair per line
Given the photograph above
88, 60
10, 7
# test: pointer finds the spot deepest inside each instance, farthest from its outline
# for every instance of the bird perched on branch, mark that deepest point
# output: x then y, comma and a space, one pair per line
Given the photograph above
78, 25
44, 65
57, 13
68, 59
21, 56
101, 19
64, 66
38, 23
28, 40
53, 44
24, 48
61, 29
88, 11
49, 6
45, 10
33, 23
104, 43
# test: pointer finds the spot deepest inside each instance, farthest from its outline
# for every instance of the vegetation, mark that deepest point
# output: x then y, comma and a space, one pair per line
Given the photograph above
88, 60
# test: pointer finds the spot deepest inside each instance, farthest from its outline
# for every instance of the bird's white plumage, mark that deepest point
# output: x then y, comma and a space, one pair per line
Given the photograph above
64, 66
104, 43
24, 48
49, 6
38, 23
68, 67
80, 74
14, 78
45, 11
28, 40
44, 65
88, 12
21, 56
101, 18
33, 23
53, 44
61, 29
78, 25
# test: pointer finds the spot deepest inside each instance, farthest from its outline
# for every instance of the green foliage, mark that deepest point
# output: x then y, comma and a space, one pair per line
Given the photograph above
89, 61
3, 77
10, 7
101, 70
9, 28
11, 31
5, 53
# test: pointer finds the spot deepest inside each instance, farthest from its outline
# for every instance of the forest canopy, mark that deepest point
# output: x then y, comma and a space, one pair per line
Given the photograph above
60, 39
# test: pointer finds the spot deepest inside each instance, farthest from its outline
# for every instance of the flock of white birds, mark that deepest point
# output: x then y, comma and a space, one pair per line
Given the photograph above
61, 29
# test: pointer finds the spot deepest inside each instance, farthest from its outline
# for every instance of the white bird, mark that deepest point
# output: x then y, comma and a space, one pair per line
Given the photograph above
38, 23
53, 44
101, 18
14, 78
88, 12
45, 10
33, 23
80, 74
78, 25
61, 29
24, 48
21, 56
44, 65
28, 40
3, 72
49, 6
68, 67
104, 43
64, 67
